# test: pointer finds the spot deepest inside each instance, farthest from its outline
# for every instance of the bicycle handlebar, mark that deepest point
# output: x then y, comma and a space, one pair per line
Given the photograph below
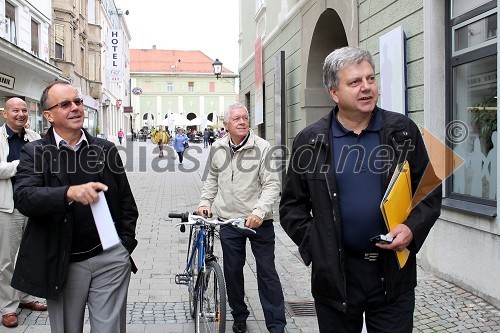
183, 216
193, 219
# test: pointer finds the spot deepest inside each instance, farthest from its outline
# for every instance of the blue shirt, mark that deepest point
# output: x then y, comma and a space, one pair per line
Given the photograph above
16, 142
359, 181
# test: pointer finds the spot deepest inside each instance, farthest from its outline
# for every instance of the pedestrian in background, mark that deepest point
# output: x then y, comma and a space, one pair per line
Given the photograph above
120, 136
160, 138
61, 257
243, 182
180, 142
325, 187
206, 135
211, 136
13, 136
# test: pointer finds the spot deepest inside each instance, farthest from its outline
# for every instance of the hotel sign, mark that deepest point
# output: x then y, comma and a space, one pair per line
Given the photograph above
115, 56
7, 81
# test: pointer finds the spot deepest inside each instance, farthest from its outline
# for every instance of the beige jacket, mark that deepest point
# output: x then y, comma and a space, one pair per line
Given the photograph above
247, 183
9, 169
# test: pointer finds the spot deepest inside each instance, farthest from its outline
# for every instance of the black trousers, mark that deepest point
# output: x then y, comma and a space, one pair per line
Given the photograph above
181, 156
365, 294
233, 243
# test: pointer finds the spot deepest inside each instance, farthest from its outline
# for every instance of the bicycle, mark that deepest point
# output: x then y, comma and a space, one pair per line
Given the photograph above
203, 274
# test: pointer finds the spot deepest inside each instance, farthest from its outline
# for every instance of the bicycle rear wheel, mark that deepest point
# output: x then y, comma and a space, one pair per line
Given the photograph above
211, 306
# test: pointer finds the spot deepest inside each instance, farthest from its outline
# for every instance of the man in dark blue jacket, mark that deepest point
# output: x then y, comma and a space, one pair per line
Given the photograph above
339, 170
62, 256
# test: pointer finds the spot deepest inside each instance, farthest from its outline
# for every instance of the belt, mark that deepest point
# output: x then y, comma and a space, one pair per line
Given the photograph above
368, 256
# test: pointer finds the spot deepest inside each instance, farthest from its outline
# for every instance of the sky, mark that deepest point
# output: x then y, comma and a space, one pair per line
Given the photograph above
211, 27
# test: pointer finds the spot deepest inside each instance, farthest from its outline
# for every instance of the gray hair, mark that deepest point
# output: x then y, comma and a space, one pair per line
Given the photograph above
237, 105
340, 58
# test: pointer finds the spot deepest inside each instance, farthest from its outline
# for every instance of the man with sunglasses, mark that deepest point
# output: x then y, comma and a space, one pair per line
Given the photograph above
13, 136
61, 257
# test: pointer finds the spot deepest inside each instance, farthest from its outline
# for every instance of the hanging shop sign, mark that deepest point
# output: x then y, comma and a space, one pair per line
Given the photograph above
7, 81
137, 91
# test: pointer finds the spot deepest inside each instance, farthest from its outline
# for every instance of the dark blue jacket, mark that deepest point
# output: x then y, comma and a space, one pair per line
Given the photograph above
309, 207
40, 193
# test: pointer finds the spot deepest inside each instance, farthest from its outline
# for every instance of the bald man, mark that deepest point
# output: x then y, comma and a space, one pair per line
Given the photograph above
13, 135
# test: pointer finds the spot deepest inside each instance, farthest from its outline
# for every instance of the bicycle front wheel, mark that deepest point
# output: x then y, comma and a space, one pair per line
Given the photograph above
211, 306
193, 276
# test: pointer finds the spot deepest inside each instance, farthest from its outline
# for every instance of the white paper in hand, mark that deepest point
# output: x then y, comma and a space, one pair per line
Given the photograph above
104, 222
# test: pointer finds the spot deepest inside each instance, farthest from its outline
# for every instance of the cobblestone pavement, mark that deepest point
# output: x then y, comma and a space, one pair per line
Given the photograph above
157, 304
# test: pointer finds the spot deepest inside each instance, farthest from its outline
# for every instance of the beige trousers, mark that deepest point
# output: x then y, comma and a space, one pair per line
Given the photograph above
11, 231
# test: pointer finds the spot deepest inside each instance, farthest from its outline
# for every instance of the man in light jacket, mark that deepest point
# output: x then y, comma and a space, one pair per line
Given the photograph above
13, 135
243, 182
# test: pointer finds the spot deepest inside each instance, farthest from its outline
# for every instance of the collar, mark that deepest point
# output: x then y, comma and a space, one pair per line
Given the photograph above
339, 130
60, 142
243, 142
11, 133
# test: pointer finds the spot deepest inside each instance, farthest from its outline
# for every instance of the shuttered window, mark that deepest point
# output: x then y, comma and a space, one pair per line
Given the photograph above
59, 41
34, 37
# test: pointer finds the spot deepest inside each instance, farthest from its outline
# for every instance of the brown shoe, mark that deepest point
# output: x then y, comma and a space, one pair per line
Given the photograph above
9, 319
33, 305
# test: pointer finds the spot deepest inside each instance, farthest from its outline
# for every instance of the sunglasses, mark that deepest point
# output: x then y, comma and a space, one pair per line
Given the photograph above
66, 104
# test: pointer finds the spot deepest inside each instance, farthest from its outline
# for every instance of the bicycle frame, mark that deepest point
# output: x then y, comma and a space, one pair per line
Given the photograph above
198, 247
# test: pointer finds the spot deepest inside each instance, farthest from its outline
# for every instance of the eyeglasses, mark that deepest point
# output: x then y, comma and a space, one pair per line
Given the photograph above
65, 104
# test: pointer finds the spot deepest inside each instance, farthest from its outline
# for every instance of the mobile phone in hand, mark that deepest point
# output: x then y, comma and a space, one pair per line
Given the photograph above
381, 239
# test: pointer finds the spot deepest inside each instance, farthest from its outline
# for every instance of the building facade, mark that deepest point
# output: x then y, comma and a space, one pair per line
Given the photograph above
442, 73
81, 36
177, 88
25, 66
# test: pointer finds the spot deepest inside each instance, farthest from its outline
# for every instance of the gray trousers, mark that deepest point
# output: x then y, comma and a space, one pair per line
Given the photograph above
101, 283
11, 231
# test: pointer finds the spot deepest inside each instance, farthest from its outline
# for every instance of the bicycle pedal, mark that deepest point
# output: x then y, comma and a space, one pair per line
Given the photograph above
182, 279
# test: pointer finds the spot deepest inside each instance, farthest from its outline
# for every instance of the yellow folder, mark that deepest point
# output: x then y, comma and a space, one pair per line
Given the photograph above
396, 203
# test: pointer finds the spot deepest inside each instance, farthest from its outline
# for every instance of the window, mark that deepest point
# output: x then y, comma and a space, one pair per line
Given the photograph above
93, 66
475, 33
72, 51
82, 61
460, 7
170, 87
59, 41
34, 37
473, 103
10, 23
190, 86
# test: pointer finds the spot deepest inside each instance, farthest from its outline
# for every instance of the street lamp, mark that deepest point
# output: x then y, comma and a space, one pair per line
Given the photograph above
217, 65
106, 102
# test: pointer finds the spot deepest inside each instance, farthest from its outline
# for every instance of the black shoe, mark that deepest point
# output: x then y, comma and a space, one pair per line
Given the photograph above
239, 327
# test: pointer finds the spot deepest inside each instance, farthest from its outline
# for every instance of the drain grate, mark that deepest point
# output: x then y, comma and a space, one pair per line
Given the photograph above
300, 309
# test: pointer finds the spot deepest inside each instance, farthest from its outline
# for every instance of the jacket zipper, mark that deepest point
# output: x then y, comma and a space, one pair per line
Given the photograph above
339, 237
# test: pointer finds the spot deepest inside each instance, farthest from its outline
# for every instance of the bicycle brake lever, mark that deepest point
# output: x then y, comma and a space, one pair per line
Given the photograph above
240, 223
184, 225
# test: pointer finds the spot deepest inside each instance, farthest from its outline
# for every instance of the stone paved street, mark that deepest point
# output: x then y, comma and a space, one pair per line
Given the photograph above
157, 304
